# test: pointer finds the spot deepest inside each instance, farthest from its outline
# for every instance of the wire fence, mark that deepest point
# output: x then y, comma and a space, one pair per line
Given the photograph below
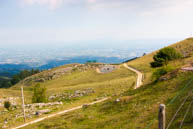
172, 101
182, 104
188, 109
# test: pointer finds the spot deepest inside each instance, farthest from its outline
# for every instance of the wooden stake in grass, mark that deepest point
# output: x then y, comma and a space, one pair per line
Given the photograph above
23, 103
192, 113
162, 117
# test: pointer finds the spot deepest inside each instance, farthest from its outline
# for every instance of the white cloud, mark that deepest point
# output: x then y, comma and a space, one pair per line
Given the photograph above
145, 7
51, 4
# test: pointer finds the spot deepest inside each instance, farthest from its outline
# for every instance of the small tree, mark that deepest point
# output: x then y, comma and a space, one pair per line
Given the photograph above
7, 105
39, 94
164, 56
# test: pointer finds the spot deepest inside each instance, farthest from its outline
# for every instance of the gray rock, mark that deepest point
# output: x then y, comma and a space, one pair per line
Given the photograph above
84, 106
39, 112
117, 100
4, 126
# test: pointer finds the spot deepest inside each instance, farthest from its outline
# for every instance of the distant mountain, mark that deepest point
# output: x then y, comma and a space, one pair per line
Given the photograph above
8, 70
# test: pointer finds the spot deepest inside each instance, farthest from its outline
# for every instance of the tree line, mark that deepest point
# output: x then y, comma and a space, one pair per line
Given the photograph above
5, 83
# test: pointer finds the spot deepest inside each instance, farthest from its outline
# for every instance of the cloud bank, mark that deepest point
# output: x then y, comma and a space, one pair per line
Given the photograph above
76, 20
143, 7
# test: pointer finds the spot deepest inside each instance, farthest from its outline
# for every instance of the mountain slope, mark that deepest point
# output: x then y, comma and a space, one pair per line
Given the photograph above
127, 108
72, 84
137, 109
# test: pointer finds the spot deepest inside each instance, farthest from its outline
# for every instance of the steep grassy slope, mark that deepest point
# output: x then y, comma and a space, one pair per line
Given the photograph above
143, 63
137, 109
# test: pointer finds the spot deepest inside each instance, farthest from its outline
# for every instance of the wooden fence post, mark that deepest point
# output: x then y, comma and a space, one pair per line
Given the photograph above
162, 116
23, 103
192, 112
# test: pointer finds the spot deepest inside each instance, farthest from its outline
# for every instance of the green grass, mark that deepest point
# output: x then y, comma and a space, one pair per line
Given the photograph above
136, 113
81, 80
109, 84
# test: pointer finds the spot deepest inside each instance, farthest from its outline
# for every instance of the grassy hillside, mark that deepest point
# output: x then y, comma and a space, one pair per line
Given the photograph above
143, 63
126, 109
137, 109
103, 85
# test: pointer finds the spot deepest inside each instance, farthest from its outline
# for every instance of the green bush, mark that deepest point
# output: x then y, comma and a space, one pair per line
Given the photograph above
7, 105
164, 56
39, 94
160, 72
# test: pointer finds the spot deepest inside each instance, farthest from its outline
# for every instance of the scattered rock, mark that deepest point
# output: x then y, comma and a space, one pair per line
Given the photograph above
187, 69
107, 68
40, 112
6, 121
40, 80
84, 106
40, 105
117, 100
76, 94
169, 75
4, 126
12, 100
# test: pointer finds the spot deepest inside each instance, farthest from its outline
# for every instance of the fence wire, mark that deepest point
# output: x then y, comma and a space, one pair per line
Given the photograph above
185, 115
172, 100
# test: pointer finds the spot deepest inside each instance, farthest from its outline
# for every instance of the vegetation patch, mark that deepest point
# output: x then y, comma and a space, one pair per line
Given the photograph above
164, 56
39, 94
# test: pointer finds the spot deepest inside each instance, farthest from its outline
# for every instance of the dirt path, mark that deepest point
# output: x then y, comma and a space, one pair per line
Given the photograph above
139, 75
98, 70
56, 114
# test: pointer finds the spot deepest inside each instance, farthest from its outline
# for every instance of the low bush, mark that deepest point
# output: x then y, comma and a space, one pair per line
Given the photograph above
39, 94
7, 105
161, 71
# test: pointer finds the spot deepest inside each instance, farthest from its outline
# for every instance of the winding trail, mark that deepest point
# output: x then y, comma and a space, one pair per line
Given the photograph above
56, 114
139, 75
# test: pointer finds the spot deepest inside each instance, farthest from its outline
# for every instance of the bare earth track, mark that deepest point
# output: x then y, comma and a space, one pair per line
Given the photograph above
56, 114
139, 74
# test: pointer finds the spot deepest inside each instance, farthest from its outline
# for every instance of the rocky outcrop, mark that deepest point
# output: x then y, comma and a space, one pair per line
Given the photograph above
40, 105
76, 94
187, 69
107, 68
40, 112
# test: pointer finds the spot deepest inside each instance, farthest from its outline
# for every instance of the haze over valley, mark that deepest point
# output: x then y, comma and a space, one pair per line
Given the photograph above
101, 51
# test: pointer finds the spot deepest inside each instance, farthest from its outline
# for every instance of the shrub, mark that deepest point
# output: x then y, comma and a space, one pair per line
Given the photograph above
160, 72
39, 94
164, 56
7, 105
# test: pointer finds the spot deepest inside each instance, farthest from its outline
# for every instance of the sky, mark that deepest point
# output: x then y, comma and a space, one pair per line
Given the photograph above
65, 21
